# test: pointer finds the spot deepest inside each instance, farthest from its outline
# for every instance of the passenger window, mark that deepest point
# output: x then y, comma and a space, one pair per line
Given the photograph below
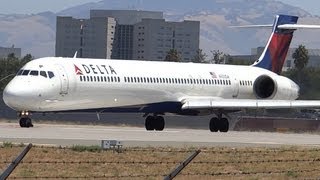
80, 78
43, 73
50, 74
88, 79
25, 72
19, 72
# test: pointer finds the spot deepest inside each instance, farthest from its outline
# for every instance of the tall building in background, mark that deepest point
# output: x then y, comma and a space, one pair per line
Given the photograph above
126, 19
126, 34
153, 38
91, 38
5, 51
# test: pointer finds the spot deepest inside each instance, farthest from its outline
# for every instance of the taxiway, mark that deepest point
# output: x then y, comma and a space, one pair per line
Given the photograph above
68, 135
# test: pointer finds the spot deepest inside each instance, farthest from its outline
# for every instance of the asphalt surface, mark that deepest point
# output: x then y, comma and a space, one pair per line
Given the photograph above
68, 135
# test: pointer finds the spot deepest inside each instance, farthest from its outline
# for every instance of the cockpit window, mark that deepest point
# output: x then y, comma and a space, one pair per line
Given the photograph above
25, 72
19, 72
34, 73
43, 73
51, 75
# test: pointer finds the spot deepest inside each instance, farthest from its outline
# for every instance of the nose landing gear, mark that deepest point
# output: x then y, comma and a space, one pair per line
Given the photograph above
25, 121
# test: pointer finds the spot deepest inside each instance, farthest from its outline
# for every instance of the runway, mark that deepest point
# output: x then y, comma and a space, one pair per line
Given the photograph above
68, 135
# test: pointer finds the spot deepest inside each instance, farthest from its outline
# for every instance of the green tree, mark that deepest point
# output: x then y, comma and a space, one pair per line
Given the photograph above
217, 57
200, 57
9, 67
300, 57
12, 56
27, 58
173, 56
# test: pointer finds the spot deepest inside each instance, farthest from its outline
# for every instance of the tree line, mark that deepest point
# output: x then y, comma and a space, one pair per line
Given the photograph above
9, 66
217, 57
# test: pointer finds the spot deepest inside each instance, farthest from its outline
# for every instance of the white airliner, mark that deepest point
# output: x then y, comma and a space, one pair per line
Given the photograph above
56, 84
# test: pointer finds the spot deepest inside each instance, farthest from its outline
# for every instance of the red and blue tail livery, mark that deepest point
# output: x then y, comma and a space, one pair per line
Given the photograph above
276, 50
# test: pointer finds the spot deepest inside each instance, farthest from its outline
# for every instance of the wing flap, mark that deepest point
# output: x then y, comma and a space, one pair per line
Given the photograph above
247, 104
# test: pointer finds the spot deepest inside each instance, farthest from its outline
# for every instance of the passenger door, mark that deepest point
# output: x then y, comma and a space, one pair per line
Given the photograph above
64, 81
235, 86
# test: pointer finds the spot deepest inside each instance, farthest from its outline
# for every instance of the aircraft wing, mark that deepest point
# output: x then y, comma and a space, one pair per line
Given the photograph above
235, 104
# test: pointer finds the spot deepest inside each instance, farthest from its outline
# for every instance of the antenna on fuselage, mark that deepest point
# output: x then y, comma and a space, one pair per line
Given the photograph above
75, 54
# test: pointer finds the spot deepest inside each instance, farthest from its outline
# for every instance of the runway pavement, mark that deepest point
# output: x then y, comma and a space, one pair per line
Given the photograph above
68, 135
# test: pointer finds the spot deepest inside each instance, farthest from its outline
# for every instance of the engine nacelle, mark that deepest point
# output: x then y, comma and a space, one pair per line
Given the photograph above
279, 87
264, 87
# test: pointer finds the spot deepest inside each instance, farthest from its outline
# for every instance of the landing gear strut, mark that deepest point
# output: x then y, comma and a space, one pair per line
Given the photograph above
154, 123
25, 121
219, 124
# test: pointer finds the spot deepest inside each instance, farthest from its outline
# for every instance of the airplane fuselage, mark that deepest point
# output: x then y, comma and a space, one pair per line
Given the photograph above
133, 86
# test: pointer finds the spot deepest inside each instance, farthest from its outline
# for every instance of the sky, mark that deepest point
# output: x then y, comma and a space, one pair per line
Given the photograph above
36, 6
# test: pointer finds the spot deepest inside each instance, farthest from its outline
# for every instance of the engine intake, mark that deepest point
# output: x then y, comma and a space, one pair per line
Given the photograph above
264, 87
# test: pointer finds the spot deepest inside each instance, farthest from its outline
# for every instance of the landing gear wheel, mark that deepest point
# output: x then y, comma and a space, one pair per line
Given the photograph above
214, 125
25, 122
224, 125
159, 123
149, 123
22, 122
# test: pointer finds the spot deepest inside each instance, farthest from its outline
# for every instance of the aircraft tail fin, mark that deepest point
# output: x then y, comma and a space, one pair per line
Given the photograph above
275, 52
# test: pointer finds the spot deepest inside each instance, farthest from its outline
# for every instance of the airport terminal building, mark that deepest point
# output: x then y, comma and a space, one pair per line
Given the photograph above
126, 34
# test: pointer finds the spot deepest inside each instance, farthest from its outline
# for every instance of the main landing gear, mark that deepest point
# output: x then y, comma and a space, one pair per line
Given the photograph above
219, 124
25, 121
154, 123
216, 124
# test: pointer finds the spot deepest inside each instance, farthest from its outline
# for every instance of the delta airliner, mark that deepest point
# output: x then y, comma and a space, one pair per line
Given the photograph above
56, 84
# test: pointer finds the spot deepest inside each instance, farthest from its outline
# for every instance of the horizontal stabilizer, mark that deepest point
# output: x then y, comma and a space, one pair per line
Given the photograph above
298, 26
283, 26
254, 26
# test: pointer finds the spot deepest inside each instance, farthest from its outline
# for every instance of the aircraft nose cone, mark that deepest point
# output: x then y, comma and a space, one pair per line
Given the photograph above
17, 95
10, 96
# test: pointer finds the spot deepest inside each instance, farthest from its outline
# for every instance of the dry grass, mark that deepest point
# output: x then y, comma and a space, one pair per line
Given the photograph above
211, 163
